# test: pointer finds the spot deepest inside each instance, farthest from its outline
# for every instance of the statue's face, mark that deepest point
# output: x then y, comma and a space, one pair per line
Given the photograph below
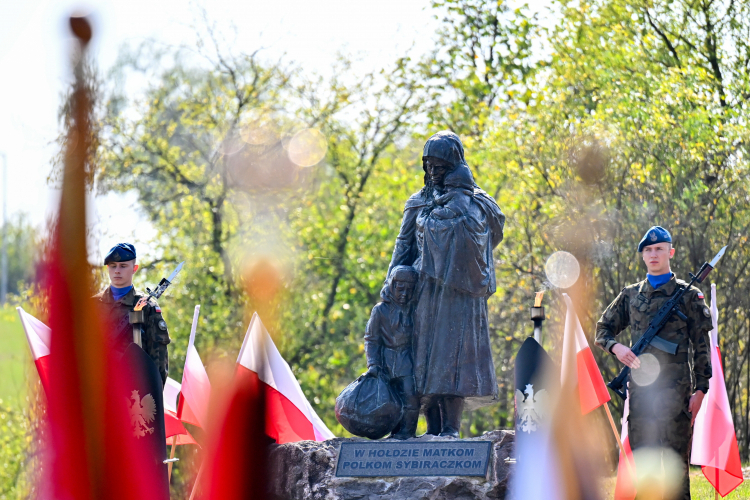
402, 291
436, 168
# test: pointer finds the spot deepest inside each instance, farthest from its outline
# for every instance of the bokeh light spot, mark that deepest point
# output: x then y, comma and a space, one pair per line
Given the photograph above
659, 472
307, 147
649, 370
562, 269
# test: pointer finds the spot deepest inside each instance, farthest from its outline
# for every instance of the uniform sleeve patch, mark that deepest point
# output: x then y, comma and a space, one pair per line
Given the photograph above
701, 296
158, 309
163, 324
706, 312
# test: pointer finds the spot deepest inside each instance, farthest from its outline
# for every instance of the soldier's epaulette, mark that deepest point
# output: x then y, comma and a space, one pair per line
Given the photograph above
152, 302
693, 289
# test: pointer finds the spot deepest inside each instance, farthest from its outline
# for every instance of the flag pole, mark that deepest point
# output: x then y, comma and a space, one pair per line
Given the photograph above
619, 442
171, 456
197, 478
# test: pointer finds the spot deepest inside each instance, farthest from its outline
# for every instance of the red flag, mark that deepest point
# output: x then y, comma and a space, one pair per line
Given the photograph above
592, 390
39, 337
289, 416
235, 467
714, 440
172, 424
196, 388
94, 454
625, 487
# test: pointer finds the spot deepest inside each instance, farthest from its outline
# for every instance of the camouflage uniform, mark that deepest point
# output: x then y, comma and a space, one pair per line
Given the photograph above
155, 335
659, 415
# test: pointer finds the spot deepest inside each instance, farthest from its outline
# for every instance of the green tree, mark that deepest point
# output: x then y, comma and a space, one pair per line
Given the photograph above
637, 119
484, 57
22, 244
210, 151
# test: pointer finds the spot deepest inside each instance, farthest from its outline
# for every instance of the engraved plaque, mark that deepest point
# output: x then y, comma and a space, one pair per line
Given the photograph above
426, 458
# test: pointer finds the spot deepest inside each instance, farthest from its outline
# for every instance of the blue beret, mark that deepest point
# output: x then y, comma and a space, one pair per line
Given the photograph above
122, 252
656, 234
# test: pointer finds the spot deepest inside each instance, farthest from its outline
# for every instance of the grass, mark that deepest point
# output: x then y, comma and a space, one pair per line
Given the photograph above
15, 358
700, 489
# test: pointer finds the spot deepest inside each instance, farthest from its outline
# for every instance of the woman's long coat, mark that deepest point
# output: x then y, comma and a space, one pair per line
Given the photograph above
451, 347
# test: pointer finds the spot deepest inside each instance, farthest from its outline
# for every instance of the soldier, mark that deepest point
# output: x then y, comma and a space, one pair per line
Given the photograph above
662, 403
126, 323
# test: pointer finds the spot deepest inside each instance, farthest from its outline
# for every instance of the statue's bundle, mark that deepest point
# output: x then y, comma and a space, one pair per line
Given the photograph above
368, 407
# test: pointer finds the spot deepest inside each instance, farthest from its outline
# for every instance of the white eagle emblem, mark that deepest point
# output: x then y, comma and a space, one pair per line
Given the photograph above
530, 409
653, 236
142, 412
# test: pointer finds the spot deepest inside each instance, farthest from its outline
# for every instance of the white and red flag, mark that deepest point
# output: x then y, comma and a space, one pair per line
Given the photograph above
714, 440
625, 487
39, 337
172, 424
289, 416
196, 388
591, 388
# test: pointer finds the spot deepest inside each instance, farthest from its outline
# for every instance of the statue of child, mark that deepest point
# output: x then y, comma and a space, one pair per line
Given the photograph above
459, 188
388, 340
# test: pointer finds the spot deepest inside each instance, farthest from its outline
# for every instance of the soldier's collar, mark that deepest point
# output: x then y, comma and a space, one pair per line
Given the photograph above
668, 287
129, 298
106, 296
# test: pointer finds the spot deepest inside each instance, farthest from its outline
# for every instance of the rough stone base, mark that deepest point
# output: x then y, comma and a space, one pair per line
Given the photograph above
306, 470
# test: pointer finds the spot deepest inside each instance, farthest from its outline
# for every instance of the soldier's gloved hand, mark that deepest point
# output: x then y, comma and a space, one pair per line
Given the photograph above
373, 371
626, 356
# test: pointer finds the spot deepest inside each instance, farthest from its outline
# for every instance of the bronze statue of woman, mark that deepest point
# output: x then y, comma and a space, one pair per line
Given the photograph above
449, 230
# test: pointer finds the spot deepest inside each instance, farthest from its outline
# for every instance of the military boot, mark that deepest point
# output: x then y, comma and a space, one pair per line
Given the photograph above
453, 408
408, 426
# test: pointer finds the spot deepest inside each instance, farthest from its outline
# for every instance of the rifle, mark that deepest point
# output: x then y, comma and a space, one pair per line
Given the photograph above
649, 337
165, 282
136, 315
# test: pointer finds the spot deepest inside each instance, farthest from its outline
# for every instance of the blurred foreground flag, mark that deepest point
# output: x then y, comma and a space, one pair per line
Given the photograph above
625, 487
714, 440
591, 388
537, 471
39, 337
196, 388
172, 424
289, 416
101, 444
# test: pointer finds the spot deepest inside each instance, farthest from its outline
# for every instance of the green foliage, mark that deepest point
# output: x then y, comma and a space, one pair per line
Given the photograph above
483, 61
618, 128
635, 117
208, 151
20, 435
625, 132
22, 243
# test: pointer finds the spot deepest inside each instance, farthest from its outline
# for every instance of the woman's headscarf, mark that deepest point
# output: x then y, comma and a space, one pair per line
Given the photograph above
447, 146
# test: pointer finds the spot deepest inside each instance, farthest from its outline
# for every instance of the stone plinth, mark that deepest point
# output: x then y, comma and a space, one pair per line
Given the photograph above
306, 470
